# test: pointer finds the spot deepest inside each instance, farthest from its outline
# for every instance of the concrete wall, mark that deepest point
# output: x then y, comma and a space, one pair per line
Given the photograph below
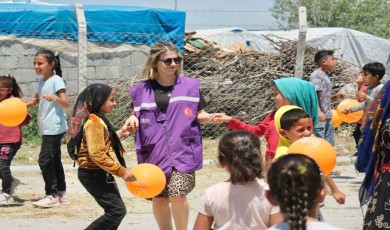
17, 58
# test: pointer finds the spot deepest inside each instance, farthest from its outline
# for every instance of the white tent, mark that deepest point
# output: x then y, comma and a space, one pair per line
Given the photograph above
350, 45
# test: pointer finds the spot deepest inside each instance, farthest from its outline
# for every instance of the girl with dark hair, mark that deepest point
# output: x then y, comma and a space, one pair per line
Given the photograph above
96, 144
296, 185
238, 203
10, 140
52, 99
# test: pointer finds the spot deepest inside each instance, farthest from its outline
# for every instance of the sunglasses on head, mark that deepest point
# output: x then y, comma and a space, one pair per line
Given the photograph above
168, 61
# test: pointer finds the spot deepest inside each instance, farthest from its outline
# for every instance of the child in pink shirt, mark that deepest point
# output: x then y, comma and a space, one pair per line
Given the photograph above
239, 202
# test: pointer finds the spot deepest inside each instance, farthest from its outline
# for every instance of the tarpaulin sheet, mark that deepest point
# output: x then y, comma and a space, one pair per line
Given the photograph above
122, 24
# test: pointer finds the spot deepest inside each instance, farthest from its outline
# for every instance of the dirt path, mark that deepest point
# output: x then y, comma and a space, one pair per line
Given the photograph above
83, 210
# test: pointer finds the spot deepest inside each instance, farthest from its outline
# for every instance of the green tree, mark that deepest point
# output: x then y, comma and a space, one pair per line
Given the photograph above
370, 16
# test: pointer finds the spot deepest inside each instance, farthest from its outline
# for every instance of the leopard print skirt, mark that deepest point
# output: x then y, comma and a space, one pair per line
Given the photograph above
178, 184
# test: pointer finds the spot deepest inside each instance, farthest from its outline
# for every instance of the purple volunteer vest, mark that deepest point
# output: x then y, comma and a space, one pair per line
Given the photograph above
172, 139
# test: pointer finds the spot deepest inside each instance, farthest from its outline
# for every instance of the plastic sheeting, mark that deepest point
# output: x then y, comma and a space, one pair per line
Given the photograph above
350, 45
123, 24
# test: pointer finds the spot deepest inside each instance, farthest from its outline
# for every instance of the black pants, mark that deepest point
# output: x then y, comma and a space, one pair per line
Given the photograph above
103, 188
51, 165
357, 133
7, 153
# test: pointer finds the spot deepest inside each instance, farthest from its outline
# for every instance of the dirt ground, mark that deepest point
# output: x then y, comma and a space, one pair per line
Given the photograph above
83, 209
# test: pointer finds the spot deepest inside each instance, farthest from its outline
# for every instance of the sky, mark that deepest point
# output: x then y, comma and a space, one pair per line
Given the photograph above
204, 14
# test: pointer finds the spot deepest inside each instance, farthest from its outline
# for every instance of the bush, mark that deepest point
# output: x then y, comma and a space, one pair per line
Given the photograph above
31, 131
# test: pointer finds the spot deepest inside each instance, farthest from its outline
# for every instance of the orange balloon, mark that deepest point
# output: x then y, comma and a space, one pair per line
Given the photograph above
352, 117
336, 119
13, 111
150, 181
318, 149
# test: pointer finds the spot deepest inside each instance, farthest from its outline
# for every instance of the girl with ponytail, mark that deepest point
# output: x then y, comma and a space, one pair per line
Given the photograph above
52, 101
296, 185
239, 202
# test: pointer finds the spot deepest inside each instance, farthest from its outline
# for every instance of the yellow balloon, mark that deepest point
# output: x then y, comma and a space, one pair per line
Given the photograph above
150, 181
321, 151
336, 120
352, 117
13, 111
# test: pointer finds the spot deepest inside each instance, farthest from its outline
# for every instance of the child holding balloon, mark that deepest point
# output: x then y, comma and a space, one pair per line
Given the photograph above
10, 140
238, 203
293, 124
93, 139
352, 91
52, 99
298, 200
373, 74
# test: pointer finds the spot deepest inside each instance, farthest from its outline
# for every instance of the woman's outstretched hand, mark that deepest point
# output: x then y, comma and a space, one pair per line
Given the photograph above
131, 124
218, 118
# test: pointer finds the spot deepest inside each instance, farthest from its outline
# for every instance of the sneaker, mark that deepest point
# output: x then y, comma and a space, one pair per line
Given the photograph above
63, 198
46, 202
5, 198
15, 183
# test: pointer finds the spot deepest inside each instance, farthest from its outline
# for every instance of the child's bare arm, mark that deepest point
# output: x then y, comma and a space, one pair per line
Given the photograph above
275, 219
131, 126
321, 116
61, 98
33, 101
337, 194
203, 222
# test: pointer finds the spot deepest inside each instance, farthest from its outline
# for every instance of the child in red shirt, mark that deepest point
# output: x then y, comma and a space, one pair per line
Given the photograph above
10, 140
287, 91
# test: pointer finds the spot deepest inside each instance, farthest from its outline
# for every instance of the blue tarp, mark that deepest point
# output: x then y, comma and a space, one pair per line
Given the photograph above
123, 24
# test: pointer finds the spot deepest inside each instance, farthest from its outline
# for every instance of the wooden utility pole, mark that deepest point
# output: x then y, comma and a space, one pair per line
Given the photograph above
301, 43
82, 42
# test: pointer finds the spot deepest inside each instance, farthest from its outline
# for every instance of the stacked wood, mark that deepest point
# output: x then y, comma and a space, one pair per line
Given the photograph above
240, 83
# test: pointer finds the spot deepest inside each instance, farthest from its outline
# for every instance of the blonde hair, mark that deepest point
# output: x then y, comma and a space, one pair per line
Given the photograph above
150, 69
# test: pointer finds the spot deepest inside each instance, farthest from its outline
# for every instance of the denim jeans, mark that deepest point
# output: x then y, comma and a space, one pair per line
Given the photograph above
51, 165
7, 153
103, 188
325, 130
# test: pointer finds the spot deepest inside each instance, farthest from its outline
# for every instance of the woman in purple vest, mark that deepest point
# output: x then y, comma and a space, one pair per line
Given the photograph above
168, 109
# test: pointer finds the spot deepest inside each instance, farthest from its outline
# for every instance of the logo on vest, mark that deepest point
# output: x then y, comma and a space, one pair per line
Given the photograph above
188, 111
145, 121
